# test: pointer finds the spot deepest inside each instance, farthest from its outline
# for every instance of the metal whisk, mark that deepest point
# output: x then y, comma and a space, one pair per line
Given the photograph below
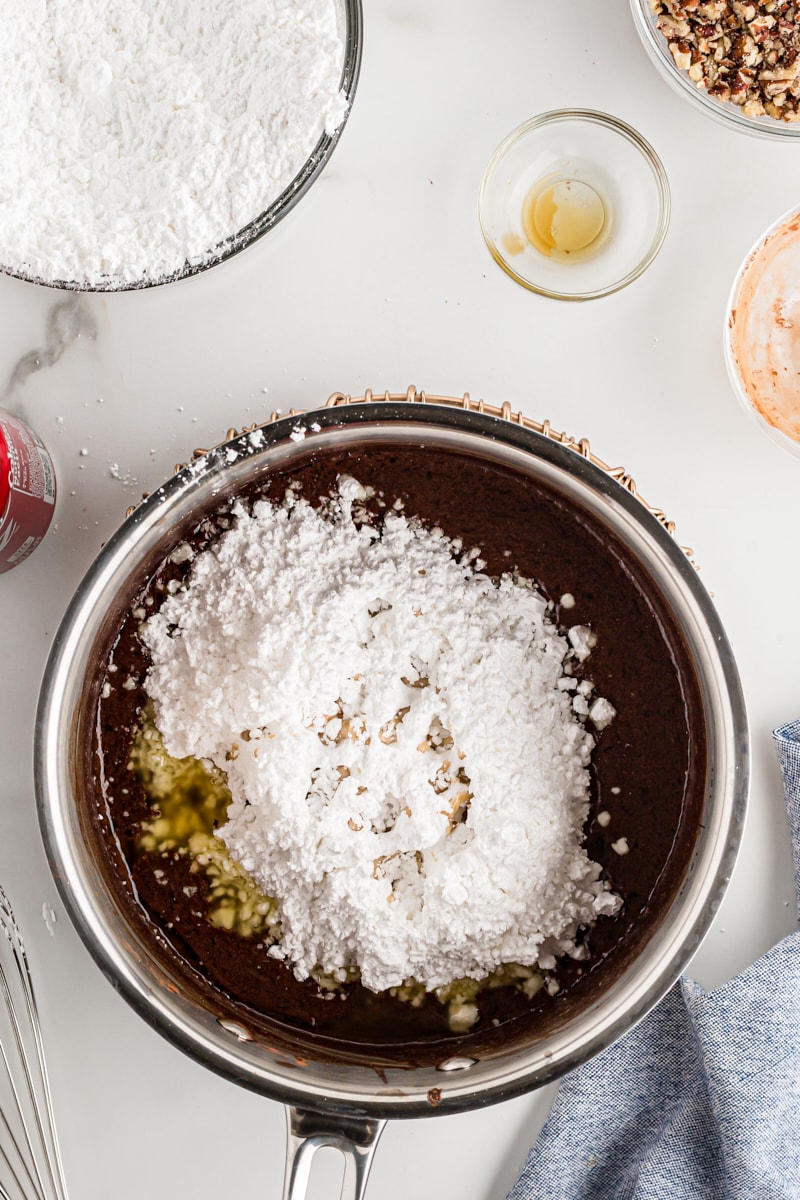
30, 1160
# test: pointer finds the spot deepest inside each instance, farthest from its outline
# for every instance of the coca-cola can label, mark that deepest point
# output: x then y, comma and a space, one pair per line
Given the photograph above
27, 490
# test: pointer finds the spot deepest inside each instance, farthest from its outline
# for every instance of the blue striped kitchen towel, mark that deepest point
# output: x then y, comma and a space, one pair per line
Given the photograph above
701, 1101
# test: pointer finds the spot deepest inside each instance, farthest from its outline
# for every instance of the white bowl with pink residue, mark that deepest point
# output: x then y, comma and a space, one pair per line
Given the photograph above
762, 332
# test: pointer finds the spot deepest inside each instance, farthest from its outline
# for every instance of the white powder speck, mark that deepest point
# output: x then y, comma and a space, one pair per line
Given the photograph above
601, 713
181, 553
127, 478
620, 846
604, 818
413, 785
582, 640
138, 137
49, 917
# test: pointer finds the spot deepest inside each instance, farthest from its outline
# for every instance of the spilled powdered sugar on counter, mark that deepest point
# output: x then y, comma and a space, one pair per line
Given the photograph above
138, 137
402, 737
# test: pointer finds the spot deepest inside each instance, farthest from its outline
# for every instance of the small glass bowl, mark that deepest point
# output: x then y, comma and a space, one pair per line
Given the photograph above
762, 332
594, 151
723, 111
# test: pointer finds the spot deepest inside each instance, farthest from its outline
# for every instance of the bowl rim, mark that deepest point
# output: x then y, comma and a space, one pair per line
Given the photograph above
615, 125
404, 1093
266, 220
722, 111
775, 435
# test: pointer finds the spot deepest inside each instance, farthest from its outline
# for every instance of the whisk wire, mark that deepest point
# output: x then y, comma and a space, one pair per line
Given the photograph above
33, 1186
28, 1142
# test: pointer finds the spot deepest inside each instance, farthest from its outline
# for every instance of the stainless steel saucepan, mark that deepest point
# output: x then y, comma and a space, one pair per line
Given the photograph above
345, 1103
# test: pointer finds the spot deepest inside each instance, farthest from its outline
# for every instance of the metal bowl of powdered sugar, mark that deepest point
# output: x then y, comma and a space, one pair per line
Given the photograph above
463, 748
143, 144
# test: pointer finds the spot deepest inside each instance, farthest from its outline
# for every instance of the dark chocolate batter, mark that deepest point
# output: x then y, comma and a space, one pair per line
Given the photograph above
653, 752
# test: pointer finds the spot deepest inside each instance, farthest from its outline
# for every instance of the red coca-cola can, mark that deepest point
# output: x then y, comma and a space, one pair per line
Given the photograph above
27, 490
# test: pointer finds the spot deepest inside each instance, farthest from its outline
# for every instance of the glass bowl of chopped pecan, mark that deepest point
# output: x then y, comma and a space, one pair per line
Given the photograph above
735, 60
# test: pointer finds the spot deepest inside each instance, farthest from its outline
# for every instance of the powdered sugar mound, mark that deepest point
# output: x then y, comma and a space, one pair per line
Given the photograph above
137, 137
408, 777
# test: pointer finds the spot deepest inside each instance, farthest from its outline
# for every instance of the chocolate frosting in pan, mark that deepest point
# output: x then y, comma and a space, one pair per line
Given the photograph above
648, 769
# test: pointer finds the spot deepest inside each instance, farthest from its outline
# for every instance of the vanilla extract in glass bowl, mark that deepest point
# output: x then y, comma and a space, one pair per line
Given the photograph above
574, 204
566, 219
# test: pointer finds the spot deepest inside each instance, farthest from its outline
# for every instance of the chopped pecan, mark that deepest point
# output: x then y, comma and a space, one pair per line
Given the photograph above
738, 51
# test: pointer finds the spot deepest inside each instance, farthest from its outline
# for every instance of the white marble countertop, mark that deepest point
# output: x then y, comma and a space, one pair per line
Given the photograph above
380, 279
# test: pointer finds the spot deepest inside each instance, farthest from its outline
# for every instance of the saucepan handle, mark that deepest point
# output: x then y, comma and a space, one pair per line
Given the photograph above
309, 1131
